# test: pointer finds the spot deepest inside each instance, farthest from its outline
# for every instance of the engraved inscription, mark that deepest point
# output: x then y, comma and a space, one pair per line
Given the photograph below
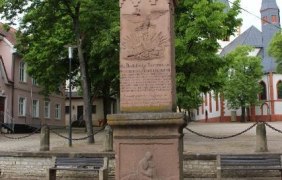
145, 84
145, 43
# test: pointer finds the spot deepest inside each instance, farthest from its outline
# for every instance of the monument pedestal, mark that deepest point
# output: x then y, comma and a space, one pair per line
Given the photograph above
148, 145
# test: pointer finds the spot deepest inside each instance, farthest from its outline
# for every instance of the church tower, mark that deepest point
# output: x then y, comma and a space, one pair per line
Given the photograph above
270, 25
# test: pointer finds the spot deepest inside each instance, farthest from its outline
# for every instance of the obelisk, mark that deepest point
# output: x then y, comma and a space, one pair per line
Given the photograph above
147, 133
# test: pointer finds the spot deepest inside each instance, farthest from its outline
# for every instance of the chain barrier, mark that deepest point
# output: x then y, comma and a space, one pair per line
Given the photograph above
273, 128
223, 137
21, 137
75, 139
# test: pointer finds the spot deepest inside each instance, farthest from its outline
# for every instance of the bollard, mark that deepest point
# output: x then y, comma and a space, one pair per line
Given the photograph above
44, 138
108, 139
261, 141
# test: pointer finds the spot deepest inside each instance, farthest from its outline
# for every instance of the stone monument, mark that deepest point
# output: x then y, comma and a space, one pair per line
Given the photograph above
147, 133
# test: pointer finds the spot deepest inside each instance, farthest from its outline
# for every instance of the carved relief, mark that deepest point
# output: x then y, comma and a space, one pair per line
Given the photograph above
145, 43
146, 170
153, 2
137, 2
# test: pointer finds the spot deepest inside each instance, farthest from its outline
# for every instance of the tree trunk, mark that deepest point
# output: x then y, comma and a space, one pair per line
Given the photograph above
106, 101
243, 114
84, 79
86, 94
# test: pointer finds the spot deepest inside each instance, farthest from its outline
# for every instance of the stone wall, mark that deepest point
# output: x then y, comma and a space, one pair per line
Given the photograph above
27, 167
199, 166
34, 166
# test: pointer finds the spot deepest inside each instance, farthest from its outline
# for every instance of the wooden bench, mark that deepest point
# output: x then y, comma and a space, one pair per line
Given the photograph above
248, 162
99, 164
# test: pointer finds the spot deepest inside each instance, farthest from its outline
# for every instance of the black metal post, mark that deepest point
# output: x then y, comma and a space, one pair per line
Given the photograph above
70, 77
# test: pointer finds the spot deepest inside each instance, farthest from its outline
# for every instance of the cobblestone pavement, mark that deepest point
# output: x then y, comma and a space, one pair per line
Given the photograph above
244, 143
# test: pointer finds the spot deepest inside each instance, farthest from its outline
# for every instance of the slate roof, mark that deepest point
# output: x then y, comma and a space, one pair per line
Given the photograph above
251, 37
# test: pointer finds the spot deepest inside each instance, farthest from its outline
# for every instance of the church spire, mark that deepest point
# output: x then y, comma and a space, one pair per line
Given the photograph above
268, 4
270, 25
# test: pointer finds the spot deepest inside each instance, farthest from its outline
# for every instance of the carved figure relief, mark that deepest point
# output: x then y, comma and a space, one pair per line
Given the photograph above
145, 43
146, 170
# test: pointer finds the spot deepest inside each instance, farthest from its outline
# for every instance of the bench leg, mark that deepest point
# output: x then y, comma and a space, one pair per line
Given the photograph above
218, 173
218, 167
51, 174
103, 174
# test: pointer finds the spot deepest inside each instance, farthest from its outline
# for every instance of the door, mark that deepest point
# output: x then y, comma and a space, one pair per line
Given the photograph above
80, 113
2, 109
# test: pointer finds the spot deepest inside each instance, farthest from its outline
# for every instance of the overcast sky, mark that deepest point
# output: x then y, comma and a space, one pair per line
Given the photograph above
253, 6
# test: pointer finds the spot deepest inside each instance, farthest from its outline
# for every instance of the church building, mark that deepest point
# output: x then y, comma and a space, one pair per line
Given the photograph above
216, 110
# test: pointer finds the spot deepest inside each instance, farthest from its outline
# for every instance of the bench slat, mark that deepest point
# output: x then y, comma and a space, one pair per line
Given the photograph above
79, 162
252, 168
249, 157
73, 169
250, 162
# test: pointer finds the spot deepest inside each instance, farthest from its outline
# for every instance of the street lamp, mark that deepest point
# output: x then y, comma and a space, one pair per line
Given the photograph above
70, 77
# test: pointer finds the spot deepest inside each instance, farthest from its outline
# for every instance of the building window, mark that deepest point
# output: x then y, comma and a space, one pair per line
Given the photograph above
47, 109
262, 95
22, 72
67, 109
57, 111
94, 109
22, 106
264, 20
35, 108
210, 102
216, 102
34, 82
274, 19
279, 89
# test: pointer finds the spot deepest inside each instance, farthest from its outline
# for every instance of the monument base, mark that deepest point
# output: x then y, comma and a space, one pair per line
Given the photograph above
148, 146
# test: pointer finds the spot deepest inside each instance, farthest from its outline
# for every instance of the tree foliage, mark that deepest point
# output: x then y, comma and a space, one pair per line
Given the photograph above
199, 26
275, 50
47, 27
242, 77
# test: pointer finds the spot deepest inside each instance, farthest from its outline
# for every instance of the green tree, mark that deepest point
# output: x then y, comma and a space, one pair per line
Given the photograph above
48, 26
242, 86
199, 26
275, 50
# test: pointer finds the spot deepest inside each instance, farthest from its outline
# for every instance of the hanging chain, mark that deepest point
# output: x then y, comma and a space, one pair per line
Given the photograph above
21, 137
75, 139
273, 128
223, 137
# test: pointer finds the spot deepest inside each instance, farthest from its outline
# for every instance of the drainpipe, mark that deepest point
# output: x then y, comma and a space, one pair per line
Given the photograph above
13, 86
